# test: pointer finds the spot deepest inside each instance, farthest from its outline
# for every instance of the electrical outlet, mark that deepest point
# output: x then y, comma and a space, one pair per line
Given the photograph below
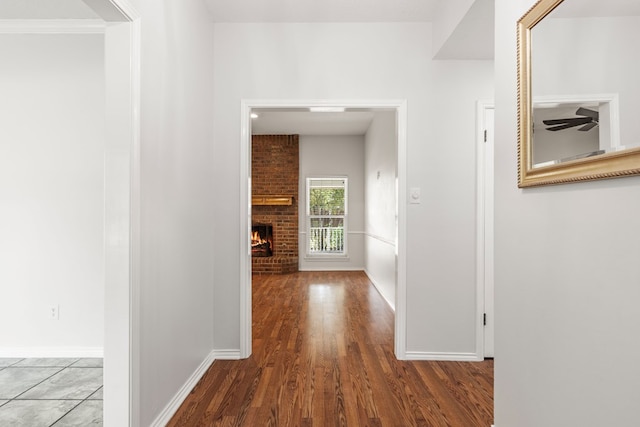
54, 312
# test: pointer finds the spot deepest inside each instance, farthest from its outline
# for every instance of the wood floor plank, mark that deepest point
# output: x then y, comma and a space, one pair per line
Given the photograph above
323, 356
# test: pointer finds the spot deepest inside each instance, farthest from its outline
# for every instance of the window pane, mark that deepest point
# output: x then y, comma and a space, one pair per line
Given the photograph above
326, 235
326, 183
327, 222
326, 201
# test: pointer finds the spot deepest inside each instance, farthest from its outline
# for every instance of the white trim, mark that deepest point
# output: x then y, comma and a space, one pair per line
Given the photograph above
113, 10
68, 352
229, 354
444, 357
401, 237
245, 229
122, 309
174, 404
327, 258
348, 232
482, 238
134, 225
380, 239
400, 106
377, 286
52, 26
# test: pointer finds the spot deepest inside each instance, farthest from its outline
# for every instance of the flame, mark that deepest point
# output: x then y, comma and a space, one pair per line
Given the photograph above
256, 239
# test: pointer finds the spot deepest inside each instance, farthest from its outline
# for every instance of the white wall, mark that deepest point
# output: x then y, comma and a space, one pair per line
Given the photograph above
442, 232
334, 156
449, 14
365, 61
52, 194
463, 29
566, 282
177, 200
380, 204
301, 61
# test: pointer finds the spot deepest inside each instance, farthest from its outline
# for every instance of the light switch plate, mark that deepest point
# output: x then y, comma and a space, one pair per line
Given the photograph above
414, 195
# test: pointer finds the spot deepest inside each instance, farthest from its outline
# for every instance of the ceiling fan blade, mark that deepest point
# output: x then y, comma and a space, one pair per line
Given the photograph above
587, 112
588, 126
574, 121
565, 126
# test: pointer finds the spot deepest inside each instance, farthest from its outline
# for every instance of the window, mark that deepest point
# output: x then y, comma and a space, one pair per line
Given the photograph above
327, 216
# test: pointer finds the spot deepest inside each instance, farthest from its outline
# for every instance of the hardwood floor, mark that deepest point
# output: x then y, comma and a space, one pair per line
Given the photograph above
323, 356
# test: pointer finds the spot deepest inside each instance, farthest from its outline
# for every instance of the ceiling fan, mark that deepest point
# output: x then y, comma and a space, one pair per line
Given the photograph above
588, 121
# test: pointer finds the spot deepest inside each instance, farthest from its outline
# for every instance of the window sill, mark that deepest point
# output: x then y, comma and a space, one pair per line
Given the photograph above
327, 258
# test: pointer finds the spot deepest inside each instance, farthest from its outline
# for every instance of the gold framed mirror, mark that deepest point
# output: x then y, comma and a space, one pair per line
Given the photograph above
578, 91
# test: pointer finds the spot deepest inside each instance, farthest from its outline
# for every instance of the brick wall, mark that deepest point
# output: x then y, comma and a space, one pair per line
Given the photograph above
274, 171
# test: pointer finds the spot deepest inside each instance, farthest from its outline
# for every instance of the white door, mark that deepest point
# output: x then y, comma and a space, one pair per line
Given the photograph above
488, 230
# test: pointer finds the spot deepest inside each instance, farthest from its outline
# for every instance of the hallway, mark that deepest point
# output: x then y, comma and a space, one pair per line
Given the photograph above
323, 355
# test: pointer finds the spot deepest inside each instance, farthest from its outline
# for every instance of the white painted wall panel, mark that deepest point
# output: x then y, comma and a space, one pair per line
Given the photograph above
442, 228
178, 201
52, 194
566, 282
380, 204
381, 266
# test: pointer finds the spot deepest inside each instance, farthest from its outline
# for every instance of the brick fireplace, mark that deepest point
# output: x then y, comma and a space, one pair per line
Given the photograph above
274, 190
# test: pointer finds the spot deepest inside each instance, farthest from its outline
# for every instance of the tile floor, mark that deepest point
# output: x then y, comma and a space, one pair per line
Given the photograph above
50, 392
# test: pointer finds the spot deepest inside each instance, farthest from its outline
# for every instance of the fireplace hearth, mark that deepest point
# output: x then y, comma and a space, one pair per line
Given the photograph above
262, 240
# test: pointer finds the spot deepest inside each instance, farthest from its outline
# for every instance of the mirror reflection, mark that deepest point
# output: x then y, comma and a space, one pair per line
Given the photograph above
584, 81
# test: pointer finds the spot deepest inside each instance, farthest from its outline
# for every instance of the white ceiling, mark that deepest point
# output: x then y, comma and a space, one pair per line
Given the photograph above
307, 10
302, 122
45, 9
597, 8
250, 10
322, 10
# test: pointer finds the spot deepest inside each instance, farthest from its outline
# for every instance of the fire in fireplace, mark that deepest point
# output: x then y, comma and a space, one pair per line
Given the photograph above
261, 240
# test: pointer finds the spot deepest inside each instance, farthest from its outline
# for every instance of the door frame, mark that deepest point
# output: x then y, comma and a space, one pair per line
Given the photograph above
484, 226
122, 212
246, 105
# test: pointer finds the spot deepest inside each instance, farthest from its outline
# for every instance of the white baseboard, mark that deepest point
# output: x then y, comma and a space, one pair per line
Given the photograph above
172, 407
233, 354
45, 352
446, 357
375, 285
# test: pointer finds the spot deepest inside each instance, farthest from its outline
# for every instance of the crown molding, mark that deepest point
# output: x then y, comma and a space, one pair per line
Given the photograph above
52, 26
113, 10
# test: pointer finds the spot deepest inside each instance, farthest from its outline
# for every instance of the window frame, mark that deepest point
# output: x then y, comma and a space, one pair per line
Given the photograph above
309, 217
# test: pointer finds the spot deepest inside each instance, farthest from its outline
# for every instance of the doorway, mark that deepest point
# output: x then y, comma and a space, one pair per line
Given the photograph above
399, 260
121, 59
